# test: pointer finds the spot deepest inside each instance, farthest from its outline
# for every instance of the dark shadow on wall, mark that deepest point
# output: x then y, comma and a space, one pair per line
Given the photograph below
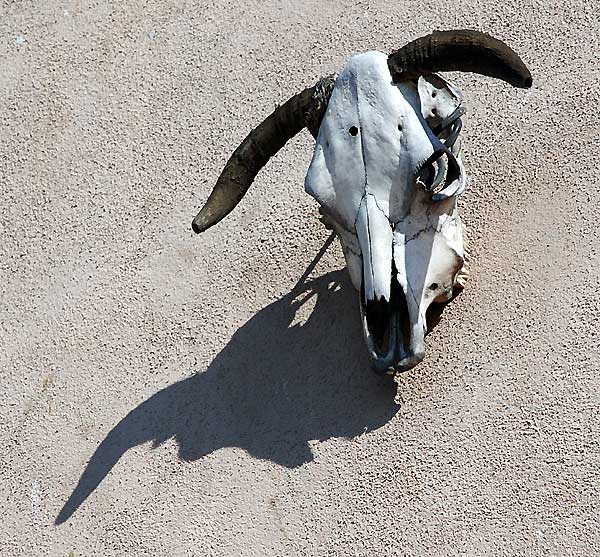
274, 387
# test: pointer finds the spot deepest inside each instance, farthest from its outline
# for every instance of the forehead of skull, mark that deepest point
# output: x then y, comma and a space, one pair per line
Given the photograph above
373, 139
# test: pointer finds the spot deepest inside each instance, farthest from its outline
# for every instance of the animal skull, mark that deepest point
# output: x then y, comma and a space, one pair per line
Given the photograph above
402, 242
386, 172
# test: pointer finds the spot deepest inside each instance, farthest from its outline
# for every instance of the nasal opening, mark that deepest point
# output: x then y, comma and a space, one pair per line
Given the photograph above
387, 324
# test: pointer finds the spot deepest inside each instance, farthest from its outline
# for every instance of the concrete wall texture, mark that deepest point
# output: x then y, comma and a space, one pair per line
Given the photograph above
163, 393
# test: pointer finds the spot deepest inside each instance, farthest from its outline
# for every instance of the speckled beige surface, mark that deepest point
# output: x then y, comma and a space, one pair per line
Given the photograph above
167, 394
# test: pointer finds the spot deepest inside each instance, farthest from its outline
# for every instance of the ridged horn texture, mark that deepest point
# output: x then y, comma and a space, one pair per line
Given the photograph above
459, 50
306, 109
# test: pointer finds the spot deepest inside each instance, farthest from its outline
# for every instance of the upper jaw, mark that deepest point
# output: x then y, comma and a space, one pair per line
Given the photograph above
393, 344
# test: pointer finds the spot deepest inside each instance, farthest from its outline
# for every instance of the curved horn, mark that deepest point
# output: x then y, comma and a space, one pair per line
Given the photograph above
461, 50
306, 109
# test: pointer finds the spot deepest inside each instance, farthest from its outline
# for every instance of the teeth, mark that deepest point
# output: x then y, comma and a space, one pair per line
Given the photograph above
381, 363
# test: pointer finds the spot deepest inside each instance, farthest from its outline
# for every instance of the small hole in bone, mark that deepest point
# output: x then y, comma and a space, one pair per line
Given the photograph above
434, 94
434, 111
433, 286
353, 130
399, 127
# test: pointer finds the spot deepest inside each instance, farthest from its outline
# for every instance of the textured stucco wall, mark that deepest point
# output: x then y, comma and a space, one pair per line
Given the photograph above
167, 394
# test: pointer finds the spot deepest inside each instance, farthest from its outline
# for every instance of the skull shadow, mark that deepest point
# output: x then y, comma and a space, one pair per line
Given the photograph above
274, 387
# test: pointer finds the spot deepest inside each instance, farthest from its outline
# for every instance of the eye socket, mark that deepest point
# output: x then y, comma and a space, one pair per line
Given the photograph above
433, 286
353, 130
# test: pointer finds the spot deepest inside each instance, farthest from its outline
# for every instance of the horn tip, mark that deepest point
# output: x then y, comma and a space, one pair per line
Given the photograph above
198, 225
522, 80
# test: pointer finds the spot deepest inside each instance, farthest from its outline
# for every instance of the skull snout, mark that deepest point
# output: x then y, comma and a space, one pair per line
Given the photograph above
410, 361
393, 330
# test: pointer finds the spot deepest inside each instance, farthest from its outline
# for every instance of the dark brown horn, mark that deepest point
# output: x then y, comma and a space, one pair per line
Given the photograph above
306, 109
461, 50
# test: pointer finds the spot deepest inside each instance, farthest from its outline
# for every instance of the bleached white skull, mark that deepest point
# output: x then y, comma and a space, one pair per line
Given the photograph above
372, 163
386, 171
